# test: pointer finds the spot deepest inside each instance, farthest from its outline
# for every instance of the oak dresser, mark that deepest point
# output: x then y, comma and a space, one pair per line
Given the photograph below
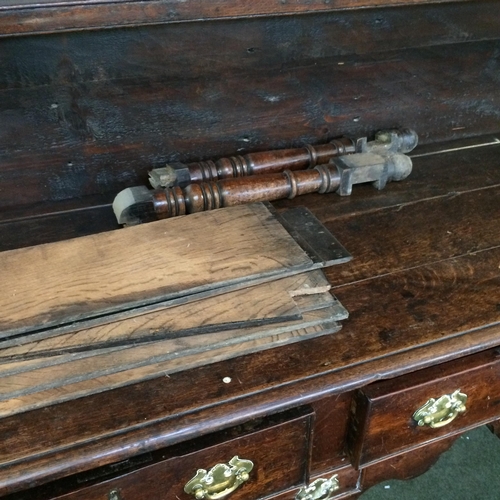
95, 93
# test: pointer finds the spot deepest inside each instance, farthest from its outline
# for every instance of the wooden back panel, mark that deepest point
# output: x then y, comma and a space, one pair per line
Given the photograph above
87, 113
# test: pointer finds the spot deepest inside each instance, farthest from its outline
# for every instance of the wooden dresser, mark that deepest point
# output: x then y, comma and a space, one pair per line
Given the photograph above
93, 94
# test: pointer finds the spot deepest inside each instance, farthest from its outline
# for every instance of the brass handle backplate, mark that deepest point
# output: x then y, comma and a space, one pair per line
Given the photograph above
440, 412
220, 480
321, 489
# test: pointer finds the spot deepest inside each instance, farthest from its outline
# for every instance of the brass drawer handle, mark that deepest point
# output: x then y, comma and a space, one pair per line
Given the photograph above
321, 489
220, 480
440, 412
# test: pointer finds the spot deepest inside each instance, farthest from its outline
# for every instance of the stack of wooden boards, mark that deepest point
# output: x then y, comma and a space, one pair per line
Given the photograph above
102, 311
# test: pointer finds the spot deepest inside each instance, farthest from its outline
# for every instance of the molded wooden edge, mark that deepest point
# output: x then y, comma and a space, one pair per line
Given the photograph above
48, 16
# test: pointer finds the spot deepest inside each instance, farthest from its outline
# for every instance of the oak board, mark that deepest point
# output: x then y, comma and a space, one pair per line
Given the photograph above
176, 260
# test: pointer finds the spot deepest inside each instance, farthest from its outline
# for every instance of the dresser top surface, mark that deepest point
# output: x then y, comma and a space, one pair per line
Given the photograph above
423, 287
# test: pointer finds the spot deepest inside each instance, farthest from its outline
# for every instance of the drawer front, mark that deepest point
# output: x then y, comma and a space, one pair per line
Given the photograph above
279, 454
405, 465
383, 421
346, 478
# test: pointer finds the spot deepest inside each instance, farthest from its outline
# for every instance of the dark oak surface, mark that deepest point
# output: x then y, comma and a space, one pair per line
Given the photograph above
279, 454
86, 112
406, 465
382, 413
17, 17
435, 304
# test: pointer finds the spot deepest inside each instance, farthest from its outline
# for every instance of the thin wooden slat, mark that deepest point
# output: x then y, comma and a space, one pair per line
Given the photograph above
254, 306
169, 260
19, 361
19, 392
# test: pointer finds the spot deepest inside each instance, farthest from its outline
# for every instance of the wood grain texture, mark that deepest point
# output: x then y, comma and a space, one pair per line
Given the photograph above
38, 383
279, 454
97, 275
383, 411
451, 169
330, 431
87, 113
437, 310
354, 346
433, 176
16, 18
410, 241
419, 319
58, 226
348, 479
86, 122
270, 302
407, 465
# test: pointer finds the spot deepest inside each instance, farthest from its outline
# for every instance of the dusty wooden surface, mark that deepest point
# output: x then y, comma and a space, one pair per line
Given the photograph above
17, 18
34, 384
384, 411
87, 113
279, 453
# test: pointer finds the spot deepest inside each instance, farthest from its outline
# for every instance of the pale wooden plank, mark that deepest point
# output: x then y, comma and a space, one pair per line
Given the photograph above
70, 372
251, 306
64, 282
257, 305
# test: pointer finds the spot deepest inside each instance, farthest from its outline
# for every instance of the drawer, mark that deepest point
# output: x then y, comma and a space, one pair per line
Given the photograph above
346, 478
279, 450
382, 421
405, 465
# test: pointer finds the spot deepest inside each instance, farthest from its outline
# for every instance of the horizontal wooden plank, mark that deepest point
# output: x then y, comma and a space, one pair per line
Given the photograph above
31, 386
171, 260
16, 360
402, 237
452, 169
258, 45
28, 17
105, 136
253, 306
435, 175
56, 227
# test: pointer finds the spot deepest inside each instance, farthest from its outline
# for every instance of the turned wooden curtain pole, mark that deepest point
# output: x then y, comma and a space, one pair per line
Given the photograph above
270, 162
377, 164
